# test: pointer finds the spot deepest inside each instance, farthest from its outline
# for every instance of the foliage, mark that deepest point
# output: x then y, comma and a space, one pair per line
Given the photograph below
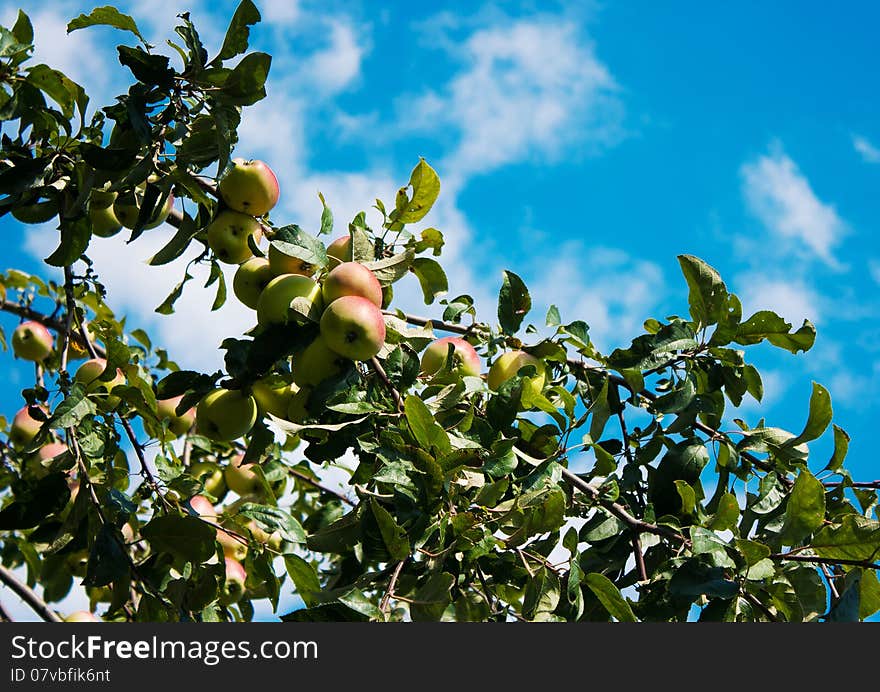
463, 503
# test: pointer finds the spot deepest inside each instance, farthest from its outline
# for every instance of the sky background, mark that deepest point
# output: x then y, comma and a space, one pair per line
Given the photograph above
582, 147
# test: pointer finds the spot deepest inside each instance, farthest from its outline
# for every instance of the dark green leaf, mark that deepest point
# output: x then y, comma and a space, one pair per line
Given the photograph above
188, 537
393, 535
819, 417
106, 16
75, 237
431, 277
178, 244
294, 242
708, 294
768, 325
856, 538
272, 519
609, 596
245, 86
304, 577
151, 69
236, 41
432, 598
841, 446
805, 511
514, 303
107, 560
429, 434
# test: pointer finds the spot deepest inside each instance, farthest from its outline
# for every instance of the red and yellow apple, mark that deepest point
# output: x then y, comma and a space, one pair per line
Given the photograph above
233, 585
353, 327
352, 279
177, 424
31, 341
340, 250
251, 278
285, 264
274, 306
249, 186
465, 360
24, 428
228, 236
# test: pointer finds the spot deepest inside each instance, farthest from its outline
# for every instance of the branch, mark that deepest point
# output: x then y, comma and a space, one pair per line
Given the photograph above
315, 484
23, 591
52, 323
856, 484
436, 324
797, 557
380, 371
389, 594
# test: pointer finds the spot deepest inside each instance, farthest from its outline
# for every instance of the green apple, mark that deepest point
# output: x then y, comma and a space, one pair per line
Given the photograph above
101, 199
240, 479
316, 363
340, 250
82, 616
225, 414
353, 327
232, 547
508, 364
177, 424
273, 395
271, 540
31, 341
465, 360
127, 207
249, 186
203, 508
228, 236
104, 221
251, 278
275, 300
352, 279
285, 264
24, 428
211, 476
233, 585
88, 375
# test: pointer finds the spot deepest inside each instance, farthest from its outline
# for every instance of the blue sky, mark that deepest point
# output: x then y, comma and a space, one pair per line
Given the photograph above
583, 148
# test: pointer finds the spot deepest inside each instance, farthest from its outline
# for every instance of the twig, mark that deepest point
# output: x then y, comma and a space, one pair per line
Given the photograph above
315, 484
389, 593
139, 452
640, 558
23, 591
853, 484
755, 601
790, 557
380, 371
436, 324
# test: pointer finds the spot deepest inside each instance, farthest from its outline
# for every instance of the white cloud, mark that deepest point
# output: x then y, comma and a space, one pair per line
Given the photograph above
865, 149
530, 88
790, 298
781, 197
283, 12
338, 65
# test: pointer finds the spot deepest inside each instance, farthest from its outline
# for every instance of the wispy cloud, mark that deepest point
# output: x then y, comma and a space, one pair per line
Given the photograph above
791, 297
780, 196
865, 149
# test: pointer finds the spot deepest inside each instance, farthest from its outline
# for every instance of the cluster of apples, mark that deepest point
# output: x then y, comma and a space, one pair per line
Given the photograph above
109, 211
346, 302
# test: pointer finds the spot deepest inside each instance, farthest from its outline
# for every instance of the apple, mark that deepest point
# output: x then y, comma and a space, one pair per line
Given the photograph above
127, 207
249, 186
225, 414
203, 507
232, 547
273, 396
211, 476
285, 264
177, 424
275, 300
82, 616
233, 586
31, 341
352, 279
340, 249
240, 479
51, 450
353, 327
271, 540
24, 428
251, 278
88, 375
316, 363
228, 236
297, 412
101, 199
464, 357
509, 364
104, 221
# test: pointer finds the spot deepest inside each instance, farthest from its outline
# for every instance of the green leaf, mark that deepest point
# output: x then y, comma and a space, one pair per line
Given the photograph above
236, 40
425, 185
178, 244
869, 595
514, 303
393, 535
694, 578
105, 16
23, 30
63, 90
167, 306
430, 238
855, 538
848, 606
609, 596
428, 433
392, 268
272, 519
75, 237
654, 350
553, 318
151, 69
304, 577
432, 598
36, 501
75, 407
687, 495
107, 560
326, 217
805, 510
727, 515
295, 242
188, 537
217, 275
752, 551
246, 84
431, 277
708, 294
819, 417
766, 324
541, 595
295, 428
841, 447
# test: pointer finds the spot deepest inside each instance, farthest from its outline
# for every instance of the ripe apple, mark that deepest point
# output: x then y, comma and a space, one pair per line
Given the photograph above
273, 396
177, 424
465, 360
241, 479
285, 264
275, 301
211, 476
353, 327
31, 341
51, 450
203, 507
88, 375
509, 364
249, 186
228, 236
352, 279
232, 547
271, 540
251, 278
233, 586
225, 414
127, 207
340, 250
82, 616
24, 428
316, 363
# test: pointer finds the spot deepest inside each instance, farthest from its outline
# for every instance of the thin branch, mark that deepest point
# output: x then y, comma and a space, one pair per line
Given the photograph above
53, 323
139, 452
875, 485
791, 557
4, 615
436, 324
315, 484
389, 593
24, 592
380, 371
755, 601
640, 558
